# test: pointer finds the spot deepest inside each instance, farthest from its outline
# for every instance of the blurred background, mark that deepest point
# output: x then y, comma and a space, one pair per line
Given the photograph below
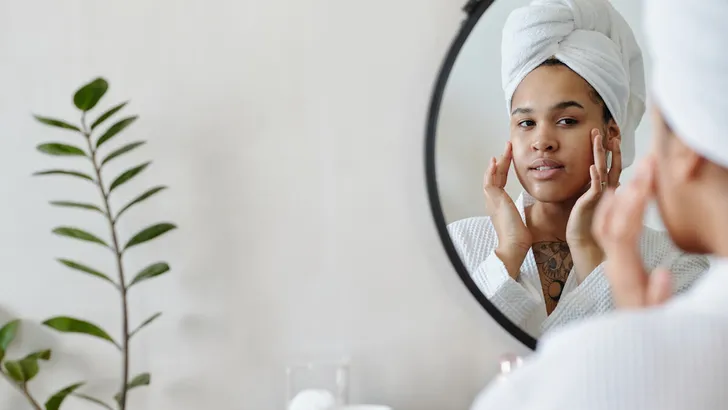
290, 135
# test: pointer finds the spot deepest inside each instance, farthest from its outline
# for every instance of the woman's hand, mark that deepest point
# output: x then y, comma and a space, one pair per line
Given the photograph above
585, 251
514, 238
618, 227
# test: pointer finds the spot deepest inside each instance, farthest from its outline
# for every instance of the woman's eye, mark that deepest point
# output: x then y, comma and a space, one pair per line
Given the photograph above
568, 121
526, 123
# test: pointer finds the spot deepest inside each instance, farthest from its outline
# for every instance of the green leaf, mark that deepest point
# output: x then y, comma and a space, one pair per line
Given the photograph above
123, 150
140, 198
150, 272
149, 233
30, 367
64, 172
127, 175
69, 204
7, 335
26, 369
22, 370
40, 355
58, 149
145, 323
140, 380
15, 370
115, 129
76, 233
54, 403
89, 95
56, 123
70, 325
105, 116
93, 400
86, 269
8, 332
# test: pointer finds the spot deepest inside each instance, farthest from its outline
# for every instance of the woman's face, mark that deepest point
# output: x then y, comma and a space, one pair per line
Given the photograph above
553, 113
673, 185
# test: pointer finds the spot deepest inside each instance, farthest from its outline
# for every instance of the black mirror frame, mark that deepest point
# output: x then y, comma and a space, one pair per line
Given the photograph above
474, 10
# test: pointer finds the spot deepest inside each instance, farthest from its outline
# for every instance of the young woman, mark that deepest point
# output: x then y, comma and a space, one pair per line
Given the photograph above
536, 258
654, 353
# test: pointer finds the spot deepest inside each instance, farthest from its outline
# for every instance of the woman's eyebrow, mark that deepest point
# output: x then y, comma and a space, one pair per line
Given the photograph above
522, 110
566, 104
556, 107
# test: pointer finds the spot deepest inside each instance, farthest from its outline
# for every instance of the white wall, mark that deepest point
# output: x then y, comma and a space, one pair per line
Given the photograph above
291, 136
473, 124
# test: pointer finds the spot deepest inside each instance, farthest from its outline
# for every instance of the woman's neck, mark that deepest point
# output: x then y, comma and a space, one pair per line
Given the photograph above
547, 221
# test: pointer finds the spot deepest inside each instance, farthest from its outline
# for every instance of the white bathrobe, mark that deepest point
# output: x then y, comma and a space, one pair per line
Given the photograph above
522, 300
673, 357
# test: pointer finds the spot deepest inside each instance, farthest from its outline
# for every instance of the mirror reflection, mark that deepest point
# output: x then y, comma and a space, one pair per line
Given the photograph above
542, 111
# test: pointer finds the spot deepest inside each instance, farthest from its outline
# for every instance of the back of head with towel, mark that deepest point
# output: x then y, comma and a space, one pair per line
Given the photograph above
657, 351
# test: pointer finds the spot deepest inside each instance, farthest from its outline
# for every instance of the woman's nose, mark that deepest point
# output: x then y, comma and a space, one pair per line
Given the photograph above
545, 145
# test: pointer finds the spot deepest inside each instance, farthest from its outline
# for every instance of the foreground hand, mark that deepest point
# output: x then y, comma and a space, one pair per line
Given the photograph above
585, 251
514, 238
617, 228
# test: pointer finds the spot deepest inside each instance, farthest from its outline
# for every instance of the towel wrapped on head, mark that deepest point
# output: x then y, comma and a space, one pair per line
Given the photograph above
690, 77
593, 40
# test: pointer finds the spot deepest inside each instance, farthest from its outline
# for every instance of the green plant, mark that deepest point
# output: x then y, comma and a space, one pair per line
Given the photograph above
86, 99
21, 371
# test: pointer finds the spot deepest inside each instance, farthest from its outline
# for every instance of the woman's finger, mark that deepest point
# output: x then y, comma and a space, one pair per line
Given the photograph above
602, 215
504, 163
616, 170
632, 202
490, 173
600, 156
590, 198
596, 184
628, 281
659, 287
645, 174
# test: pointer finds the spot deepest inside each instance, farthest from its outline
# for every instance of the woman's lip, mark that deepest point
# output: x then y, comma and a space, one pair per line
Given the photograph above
546, 174
545, 162
546, 167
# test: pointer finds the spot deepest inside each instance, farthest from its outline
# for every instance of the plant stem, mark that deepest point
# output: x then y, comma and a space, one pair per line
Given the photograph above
30, 398
23, 389
120, 267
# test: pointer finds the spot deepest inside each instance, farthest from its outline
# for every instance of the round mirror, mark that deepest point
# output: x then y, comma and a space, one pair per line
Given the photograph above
538, 107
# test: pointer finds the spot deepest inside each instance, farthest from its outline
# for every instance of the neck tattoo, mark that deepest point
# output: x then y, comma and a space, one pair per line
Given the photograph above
554, 264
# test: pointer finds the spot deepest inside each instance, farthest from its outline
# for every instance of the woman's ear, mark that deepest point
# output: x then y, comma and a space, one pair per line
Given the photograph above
613, 130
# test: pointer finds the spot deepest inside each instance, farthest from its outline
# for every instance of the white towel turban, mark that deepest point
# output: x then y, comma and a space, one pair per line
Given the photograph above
592, 39
690, 78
